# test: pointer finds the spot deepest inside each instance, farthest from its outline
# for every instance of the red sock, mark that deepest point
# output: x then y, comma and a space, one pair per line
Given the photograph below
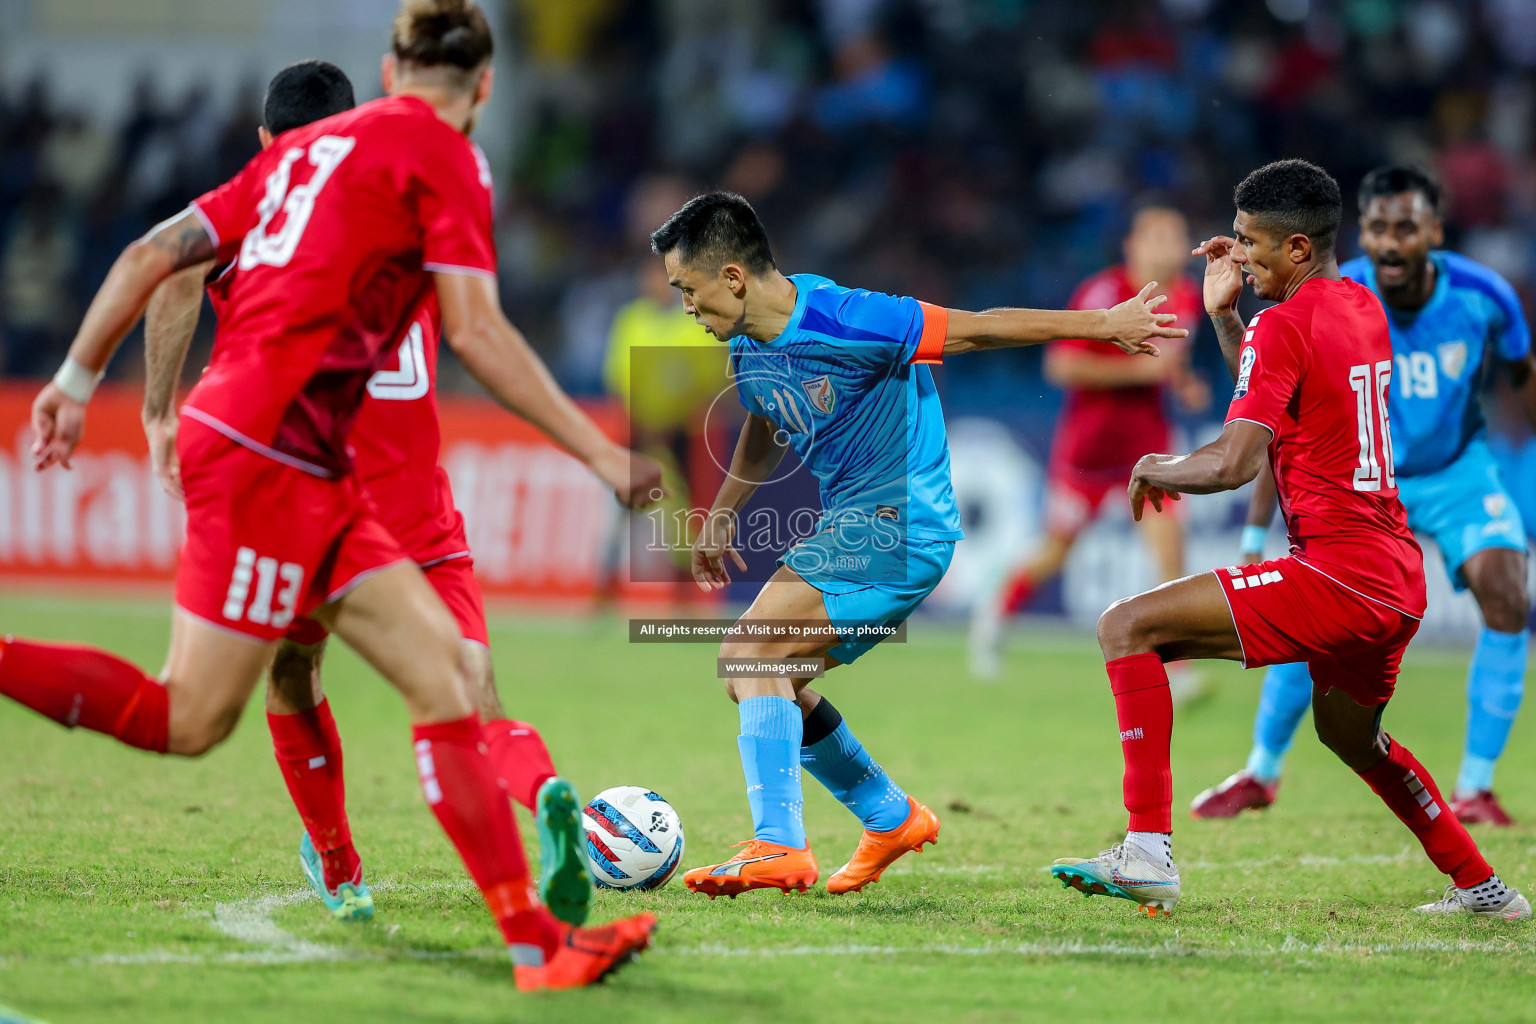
463, 793
75, 685
308, 751
1018, 593
1404, 785
518, 757
1145, 710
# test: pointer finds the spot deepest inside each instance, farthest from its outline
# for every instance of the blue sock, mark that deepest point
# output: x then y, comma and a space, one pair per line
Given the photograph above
1495, 685
1285, 698
770, 761
841, 763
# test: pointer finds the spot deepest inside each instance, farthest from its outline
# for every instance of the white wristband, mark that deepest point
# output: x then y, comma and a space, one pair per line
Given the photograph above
76, 381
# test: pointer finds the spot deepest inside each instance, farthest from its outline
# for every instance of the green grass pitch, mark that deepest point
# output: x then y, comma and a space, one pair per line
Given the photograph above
138, 889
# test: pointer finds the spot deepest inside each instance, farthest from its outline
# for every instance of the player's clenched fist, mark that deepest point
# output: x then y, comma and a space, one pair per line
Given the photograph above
1223, 274
58, 422
1136, 319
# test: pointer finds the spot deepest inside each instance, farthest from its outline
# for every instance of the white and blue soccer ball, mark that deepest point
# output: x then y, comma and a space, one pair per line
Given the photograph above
634, 839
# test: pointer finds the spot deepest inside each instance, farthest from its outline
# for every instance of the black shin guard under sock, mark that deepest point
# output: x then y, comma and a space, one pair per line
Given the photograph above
820, 723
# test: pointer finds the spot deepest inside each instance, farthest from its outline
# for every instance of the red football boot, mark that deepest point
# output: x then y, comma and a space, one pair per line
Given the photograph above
1479, 808
588, 955
1238, 793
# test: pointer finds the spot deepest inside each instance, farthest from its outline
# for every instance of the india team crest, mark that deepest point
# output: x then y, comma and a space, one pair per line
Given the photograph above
821, 393
1453, 358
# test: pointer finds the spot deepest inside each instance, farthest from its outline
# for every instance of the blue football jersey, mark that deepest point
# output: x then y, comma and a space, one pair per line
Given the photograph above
841, 384
1441, 360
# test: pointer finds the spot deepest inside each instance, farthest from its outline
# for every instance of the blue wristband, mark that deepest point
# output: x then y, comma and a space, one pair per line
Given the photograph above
1253, 539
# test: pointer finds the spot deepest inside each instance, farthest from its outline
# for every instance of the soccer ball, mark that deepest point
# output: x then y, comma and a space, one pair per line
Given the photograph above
634, 839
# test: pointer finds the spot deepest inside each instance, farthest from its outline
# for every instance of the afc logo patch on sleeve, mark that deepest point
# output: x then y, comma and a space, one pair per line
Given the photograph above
1244, 371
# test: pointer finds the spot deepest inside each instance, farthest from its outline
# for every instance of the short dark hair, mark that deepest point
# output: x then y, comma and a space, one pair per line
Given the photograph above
303, 93
719, 226
1395, 179
448, 36
1295, 197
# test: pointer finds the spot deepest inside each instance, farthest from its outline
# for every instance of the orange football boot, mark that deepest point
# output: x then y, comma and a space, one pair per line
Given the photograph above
588, 955
879, 850
760, 865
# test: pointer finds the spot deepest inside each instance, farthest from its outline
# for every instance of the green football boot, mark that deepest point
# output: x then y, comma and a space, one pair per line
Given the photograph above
564, 884
350, 902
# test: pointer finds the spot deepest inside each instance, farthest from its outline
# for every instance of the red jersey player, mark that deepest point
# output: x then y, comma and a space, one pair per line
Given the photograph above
340, 232
1312, 374
1112, 415
395, 446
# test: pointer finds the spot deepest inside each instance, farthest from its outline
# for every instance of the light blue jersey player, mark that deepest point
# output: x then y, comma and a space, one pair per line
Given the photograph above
1454, 323
841, 376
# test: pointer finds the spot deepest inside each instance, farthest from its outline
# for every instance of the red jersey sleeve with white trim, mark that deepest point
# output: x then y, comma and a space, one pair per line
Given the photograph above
227, 212
1270, 364
332, 227
1315, 370
455, 210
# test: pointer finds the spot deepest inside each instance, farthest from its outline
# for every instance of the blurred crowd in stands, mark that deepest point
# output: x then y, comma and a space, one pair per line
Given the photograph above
970, 152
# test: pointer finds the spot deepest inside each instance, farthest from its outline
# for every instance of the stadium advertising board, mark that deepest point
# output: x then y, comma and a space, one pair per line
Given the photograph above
538, 522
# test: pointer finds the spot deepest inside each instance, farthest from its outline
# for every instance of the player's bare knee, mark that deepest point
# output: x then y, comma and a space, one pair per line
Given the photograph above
191, 736
481, 674
1124, 630
1505, 605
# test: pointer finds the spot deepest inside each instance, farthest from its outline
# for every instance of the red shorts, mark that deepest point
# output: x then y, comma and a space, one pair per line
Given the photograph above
1074, 497
1287, 610
453, 579
268, 543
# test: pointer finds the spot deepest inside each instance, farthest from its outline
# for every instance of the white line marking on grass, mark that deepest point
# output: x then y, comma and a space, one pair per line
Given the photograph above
1291, 946
1307, 860
1403, 856
251, 921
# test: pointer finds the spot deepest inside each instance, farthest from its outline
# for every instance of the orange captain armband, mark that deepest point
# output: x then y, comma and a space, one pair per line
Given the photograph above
930, 346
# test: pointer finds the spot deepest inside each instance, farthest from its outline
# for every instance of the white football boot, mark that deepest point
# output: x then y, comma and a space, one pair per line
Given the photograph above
1123, 871
1511, 906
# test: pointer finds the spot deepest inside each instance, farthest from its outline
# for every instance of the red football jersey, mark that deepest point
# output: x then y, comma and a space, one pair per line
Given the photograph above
396, 442
1315, 370
1110, 428
333, 230
397, 439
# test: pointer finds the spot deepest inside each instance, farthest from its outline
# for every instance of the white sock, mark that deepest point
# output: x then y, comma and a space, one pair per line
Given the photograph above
1492, 893
1156, 847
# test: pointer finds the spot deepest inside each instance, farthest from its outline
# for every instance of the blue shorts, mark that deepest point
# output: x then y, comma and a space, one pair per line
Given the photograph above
1516, 460
868, 577
1464, 508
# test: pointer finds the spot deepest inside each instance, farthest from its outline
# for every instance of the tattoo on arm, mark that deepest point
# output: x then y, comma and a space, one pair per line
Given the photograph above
1229, 334
184, 237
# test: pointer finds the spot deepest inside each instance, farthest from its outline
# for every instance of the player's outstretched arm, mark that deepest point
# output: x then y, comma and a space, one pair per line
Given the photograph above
1129, 326
1225, 464
58, 413
758, 453
500, 358
169, 323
